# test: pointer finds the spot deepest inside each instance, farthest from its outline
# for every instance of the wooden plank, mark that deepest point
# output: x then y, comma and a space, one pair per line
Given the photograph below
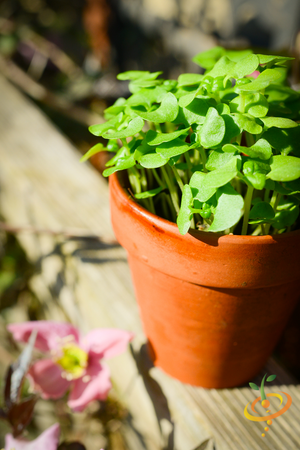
87, 281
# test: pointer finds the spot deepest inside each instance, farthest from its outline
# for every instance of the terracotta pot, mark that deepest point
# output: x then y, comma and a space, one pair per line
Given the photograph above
213, 307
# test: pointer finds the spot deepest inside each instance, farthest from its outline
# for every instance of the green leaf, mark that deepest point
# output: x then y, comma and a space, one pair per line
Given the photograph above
244, 66
255, 172
144, 82
286, 218
213, 129
185, 100
122, 164
224, 175
222, 67
254, 386
100, 128
279, 93
146, 97
271, 378
151, 193
132, 74
155, 138
228, 210
218, 159
256, 180
189, 79
92, 151
232, 129
262, 210
167, 111
152, 160
196, 111
208, 58
293, 187
222, 108
237, 55
285, 141
147, 156
254, 104
173, 148
135, 126
121, 153
248, 123
263, 80
288, 203
185, 215
278, 122
261, 149
284, 168
267, 59
115, 109
200, 190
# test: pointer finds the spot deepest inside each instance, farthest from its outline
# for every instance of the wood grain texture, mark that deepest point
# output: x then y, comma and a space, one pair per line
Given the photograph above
87, 281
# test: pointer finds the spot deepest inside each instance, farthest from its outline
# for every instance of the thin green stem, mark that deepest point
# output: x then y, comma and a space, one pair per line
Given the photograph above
134, 179
250, 139
151, 205
163, 201
266, 195
158, 127
172, 189
177, 176
203, 158
239, 138
189, 164
257, 231
143, 178
156, 176
262, 390
247, 207
274, 203
263, 229
196, 159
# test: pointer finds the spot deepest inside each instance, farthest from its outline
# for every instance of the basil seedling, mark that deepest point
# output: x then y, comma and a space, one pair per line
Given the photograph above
218, 151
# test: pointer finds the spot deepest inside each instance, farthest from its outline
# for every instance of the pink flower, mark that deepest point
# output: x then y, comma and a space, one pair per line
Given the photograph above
47, 440
73, 361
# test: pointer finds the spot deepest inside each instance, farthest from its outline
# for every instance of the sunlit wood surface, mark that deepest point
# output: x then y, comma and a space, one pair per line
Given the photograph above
61, 209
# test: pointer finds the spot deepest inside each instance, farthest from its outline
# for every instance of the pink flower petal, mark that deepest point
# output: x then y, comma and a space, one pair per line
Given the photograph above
47, 440
95, 385
49, 333
106, 342
46, 378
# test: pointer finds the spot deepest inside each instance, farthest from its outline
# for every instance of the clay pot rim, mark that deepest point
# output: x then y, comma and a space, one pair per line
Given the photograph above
172, 228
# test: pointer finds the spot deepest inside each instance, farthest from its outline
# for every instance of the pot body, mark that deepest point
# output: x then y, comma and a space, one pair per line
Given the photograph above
213, 307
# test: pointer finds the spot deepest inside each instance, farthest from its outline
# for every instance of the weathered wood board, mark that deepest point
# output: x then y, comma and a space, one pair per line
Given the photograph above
87, 281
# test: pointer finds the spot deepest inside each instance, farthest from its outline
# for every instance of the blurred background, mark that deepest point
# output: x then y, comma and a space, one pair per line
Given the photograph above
65, 56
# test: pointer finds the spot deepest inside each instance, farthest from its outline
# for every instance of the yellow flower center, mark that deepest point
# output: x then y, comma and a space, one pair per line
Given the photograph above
73, 360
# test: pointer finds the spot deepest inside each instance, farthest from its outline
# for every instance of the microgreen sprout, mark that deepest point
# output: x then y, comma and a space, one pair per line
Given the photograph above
218, 151
264, 401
